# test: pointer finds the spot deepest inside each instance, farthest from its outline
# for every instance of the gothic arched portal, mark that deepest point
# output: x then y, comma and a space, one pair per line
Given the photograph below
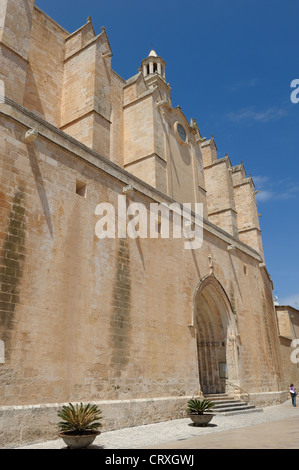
217, 337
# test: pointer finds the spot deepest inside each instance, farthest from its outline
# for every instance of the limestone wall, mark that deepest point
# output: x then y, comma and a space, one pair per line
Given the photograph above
89, 319
44, 78
288, 328
67, 283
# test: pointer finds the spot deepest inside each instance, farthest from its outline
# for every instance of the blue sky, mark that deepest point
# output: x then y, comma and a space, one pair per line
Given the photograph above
230, 65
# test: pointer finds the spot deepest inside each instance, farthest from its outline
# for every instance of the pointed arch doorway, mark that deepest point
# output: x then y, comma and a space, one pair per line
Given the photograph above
216, 335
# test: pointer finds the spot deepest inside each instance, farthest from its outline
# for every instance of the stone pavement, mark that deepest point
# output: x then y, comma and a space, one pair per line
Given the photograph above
277, 427
283, 434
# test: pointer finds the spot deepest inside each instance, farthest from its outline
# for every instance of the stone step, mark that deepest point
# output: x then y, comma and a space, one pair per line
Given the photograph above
219, 397
211, 396
221, 405
227, 400
237, 407
224, 403
227, 405
249, 409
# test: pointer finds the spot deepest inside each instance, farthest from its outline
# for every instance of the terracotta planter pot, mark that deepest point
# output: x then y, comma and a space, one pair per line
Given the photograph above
78, 442
201, 420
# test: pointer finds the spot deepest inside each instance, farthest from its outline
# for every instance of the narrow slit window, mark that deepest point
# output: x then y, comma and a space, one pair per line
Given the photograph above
81, 188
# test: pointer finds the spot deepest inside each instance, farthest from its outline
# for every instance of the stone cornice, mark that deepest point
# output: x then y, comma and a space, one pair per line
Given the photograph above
289, 307
225, 160
146, 157
243, 230
79, 118
219, 211
7, 46
86, 46
51, 19
247, 180
139, 98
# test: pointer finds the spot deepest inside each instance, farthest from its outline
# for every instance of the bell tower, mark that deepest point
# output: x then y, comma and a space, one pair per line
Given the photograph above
153, 65
153, 71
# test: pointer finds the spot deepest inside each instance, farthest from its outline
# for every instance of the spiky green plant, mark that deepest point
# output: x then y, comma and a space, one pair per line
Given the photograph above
198, 407
79, 419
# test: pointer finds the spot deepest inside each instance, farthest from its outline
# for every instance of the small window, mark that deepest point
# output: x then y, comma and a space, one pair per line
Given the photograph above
245, 270
222, 370
155, 67
81, 188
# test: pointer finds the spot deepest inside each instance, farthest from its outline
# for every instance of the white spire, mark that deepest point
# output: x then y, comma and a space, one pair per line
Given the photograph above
153, 65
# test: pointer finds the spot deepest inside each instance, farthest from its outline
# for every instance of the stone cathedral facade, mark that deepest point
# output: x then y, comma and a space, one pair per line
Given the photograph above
136, 325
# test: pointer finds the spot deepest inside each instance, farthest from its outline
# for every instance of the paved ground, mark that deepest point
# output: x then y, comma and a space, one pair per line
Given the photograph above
277, 427
282, 434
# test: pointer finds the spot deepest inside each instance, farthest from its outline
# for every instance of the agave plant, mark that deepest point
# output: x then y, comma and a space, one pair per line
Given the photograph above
79, 419
198, 407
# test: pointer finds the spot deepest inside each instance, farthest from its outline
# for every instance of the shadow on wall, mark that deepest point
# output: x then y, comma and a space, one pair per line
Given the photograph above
120, 323
40, 187
31, 97
11, 268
